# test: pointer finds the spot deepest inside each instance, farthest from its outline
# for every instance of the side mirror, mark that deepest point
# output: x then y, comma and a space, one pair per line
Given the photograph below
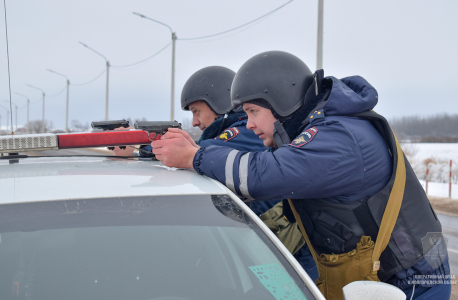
366, 290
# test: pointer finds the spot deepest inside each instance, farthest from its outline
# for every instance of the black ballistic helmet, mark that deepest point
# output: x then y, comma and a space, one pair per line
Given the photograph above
212, 85
278, 77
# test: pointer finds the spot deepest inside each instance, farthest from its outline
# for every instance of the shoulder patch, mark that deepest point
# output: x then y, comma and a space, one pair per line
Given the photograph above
228, 134
305, 137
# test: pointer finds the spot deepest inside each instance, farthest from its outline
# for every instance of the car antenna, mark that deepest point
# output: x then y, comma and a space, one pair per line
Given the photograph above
9, 75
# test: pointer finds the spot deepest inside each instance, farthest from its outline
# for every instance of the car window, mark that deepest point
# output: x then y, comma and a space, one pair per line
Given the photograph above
164, 248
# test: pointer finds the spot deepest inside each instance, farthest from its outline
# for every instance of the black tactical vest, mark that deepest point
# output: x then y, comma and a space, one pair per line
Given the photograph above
338, 227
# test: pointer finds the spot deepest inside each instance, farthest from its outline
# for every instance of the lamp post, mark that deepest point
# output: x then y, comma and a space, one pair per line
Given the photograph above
15, 114
28, 103
108, 69
174, 38
43, 110
66, 107
319, 46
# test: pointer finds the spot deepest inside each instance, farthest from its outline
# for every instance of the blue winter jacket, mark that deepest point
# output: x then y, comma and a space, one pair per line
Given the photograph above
337, 157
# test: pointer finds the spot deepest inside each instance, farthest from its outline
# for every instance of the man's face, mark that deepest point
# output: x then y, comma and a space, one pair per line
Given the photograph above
202, 115
261, 121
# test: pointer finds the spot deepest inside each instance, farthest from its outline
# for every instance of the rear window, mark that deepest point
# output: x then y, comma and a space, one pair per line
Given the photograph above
163, 248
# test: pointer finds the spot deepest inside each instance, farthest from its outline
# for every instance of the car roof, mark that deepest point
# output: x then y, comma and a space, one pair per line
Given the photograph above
65, 178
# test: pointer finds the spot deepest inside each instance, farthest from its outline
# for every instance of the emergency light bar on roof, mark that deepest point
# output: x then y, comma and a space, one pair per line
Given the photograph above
149, 132
32, 142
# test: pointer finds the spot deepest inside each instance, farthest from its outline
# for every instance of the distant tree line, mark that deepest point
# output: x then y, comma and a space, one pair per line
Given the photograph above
441, 128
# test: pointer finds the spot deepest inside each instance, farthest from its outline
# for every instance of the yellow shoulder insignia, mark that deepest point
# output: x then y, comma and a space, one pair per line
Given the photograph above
300, 139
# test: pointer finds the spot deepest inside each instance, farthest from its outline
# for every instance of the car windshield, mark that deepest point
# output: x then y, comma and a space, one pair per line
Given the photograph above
159, 248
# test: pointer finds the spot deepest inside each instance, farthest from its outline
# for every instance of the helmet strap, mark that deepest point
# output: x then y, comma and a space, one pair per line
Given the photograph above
280, 135
221, 128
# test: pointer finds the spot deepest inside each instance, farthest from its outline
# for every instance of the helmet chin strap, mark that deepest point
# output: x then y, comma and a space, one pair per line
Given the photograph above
221, 128
280, 135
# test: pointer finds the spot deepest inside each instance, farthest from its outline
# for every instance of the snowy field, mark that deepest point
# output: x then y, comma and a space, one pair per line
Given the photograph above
439, 155
438, 189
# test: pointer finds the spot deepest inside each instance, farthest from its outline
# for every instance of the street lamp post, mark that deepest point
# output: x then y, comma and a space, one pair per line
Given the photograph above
319, 46
174, 38
172, 92
106, 92
15, 114
28, 104
66, 107
43, 110
108, 71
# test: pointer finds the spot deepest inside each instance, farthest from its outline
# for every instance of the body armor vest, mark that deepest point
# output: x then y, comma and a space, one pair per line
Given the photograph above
338, 227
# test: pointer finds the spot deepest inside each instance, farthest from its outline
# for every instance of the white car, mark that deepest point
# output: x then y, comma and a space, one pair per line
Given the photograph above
81, 228
110, 228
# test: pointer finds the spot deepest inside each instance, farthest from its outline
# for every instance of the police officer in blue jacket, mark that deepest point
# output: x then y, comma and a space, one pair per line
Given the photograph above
335, 158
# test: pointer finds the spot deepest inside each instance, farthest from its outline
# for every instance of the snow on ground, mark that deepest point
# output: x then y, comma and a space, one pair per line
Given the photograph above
438, 189
440, 155
444, 151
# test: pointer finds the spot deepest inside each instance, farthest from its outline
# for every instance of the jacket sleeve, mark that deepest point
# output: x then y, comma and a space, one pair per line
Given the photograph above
329, 164
243, 139
145, 148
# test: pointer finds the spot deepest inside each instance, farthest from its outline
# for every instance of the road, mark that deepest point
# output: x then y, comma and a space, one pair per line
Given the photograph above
450, 230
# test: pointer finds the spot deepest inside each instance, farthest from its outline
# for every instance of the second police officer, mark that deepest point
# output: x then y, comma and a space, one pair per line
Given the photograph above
339, 164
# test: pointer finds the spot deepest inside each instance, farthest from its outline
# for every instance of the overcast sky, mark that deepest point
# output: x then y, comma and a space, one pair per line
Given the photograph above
406, 49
